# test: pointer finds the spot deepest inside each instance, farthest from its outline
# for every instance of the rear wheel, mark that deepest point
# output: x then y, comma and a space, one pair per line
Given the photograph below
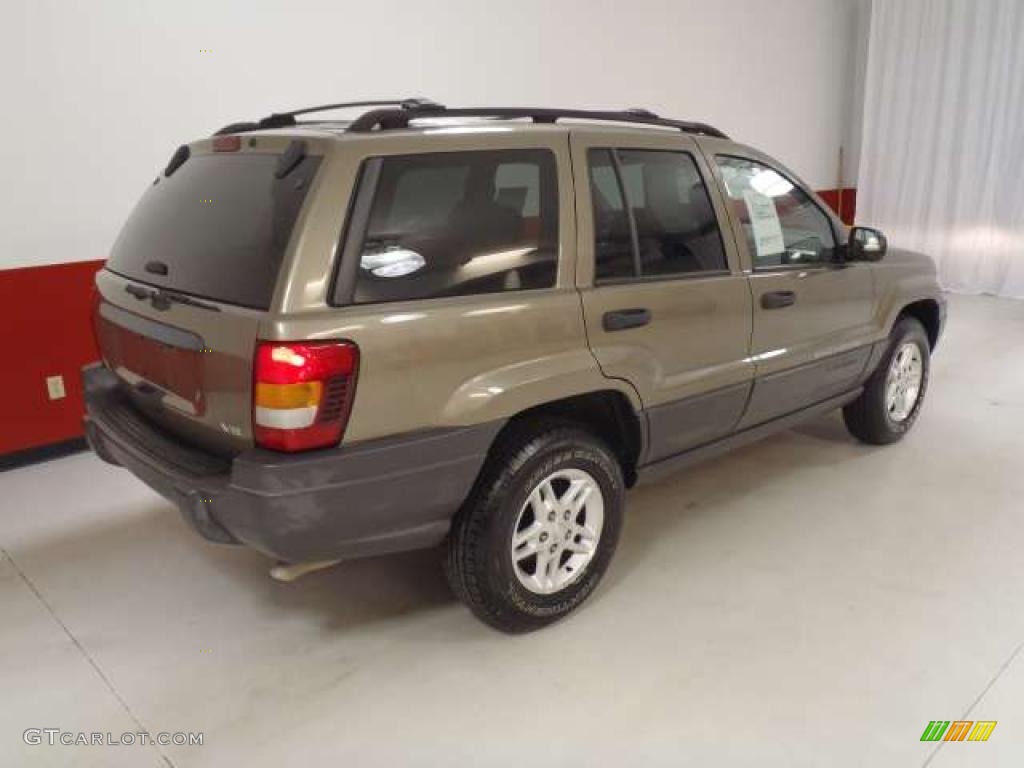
893, 395
537, 533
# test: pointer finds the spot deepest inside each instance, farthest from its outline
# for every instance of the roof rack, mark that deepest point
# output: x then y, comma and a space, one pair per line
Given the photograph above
286, 119
387, 119
398, 113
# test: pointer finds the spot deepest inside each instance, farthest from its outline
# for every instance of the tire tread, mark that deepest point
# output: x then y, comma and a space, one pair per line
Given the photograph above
865, 417
467, 550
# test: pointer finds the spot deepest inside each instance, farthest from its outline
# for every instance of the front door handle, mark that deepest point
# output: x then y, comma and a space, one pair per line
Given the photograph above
621, 319
778, 299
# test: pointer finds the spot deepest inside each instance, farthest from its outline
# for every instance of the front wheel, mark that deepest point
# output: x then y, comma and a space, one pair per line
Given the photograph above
537, 533
893, 395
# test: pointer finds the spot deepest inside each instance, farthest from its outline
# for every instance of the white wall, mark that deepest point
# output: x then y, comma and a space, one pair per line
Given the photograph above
854, 119
97, 94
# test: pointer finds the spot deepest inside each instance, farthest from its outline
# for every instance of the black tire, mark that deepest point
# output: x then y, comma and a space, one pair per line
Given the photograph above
868, 417
480, 564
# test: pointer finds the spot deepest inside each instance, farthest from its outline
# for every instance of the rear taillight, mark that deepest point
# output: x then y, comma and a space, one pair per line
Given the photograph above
302, 393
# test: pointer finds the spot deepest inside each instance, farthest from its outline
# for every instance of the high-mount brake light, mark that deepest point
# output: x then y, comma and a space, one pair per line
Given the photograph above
302, 393
227, 143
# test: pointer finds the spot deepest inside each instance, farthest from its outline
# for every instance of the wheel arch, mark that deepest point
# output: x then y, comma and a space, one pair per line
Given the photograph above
928, 313
608, 413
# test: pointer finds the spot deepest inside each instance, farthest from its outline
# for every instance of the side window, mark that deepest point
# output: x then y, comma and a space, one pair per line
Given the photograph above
613, 244
783, 225
668, 204
458, 223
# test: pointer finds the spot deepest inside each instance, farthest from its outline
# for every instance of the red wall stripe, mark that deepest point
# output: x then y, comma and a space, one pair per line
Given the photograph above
45, 330
843, 202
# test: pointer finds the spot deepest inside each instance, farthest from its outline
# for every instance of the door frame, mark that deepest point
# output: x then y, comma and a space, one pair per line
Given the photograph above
697, 415
792, 376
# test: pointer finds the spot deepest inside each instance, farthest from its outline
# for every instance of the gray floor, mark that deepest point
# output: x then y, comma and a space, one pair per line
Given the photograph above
804, 601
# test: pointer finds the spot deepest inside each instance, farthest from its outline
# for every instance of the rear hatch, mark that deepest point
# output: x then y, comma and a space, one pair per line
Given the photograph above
192, 275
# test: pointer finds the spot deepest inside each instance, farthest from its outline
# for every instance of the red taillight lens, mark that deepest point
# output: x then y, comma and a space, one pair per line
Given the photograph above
302, 393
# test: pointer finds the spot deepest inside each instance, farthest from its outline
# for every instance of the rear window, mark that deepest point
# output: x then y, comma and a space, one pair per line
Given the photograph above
457, 223
220, 224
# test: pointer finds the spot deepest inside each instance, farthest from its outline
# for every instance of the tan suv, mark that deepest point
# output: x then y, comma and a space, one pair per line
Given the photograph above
328, 340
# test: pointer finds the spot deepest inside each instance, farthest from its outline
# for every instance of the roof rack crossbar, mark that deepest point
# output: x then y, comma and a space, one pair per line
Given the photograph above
388, 119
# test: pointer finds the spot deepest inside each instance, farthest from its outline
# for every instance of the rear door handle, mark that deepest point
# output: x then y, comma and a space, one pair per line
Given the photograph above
778, 299
621, 319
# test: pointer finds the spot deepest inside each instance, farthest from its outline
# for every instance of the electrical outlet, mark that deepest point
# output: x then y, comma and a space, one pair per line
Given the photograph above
55, 387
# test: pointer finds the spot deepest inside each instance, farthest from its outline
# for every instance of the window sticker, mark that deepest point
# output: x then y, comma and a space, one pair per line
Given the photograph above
764, 223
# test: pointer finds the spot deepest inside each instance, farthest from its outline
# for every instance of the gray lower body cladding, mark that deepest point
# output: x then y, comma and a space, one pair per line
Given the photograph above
371, 498
686, 425
784, 392
678, 426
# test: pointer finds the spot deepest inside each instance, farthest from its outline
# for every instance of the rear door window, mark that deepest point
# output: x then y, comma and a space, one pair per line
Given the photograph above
658, 197
219, 225
458, 223
613, 244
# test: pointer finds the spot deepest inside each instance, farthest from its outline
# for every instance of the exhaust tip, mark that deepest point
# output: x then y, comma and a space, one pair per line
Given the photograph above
288, 572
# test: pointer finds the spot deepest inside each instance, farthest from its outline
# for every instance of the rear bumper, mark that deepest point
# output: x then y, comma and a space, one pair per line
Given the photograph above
375, 497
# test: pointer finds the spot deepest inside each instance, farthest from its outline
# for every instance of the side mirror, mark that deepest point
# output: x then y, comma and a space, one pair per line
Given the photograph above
866, 244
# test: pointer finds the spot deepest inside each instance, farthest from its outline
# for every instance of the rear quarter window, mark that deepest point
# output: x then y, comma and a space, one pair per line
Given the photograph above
220, 224
456, 223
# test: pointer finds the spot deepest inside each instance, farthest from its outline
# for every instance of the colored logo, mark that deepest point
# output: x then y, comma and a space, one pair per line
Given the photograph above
958, 730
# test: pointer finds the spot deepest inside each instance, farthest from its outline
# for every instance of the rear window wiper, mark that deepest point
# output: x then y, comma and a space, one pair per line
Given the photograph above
181, 298
162, 299
138, 291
